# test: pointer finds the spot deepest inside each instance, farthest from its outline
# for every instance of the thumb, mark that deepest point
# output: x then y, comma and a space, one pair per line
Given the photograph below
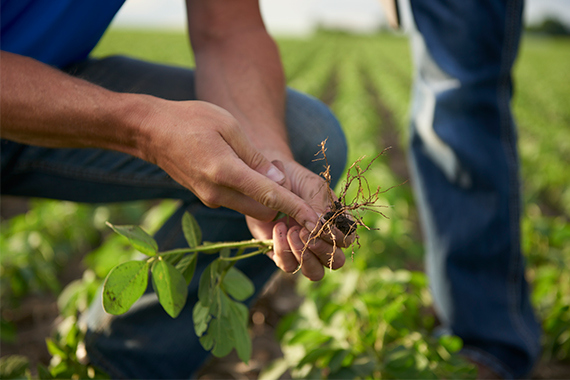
286, 182
271, 188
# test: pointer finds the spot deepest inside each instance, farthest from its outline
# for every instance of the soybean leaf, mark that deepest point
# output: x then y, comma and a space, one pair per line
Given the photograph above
238, 323
225, 252
187, 266
173, 259
124, 285
191, 230
170, 287
204, 288
207, 341
221, 329
237, 284
201, 317
222, 341
138, 238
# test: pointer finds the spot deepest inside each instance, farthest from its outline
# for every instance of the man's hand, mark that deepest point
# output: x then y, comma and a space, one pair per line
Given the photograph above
295, 245
203, 148
238, 68
199, 144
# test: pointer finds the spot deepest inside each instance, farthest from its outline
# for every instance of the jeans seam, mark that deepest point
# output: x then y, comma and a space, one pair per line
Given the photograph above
507, 137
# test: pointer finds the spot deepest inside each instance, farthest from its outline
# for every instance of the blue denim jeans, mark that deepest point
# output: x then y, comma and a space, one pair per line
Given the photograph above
464, 164
146, 343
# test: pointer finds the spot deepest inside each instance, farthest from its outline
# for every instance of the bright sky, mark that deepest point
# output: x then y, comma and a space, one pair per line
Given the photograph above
300, 17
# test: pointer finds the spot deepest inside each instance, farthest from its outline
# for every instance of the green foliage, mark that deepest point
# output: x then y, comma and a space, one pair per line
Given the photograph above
139, 239
37, 245
14, 367
361, 322
124, 285
375, 323
220, 320
220, 317
170, 286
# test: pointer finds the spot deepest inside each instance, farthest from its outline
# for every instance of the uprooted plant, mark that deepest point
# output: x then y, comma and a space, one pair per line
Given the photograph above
346, 216
220, 317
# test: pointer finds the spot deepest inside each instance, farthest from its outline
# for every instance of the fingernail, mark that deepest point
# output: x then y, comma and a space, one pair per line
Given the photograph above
310, 226
296, 241
275, 174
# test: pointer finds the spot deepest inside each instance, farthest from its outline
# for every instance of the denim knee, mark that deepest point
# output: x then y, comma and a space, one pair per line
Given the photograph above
309, 122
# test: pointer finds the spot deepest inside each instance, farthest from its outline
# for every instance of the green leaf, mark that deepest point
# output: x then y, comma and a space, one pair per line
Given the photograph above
238, 318
222, 335
314, 355
14, 367
170, 287
207, 341
451, 343
205, 286
124, 285
54, 349
238, 285
337, 360
208, 288
191, 230
187, 266
201, 317
138, 238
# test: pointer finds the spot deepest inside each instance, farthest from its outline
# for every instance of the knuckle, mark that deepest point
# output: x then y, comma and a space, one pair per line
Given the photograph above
217, 174
211, 198
269, 198
257, 160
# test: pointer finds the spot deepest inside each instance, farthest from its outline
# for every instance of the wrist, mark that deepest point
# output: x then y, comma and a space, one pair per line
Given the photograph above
131, 113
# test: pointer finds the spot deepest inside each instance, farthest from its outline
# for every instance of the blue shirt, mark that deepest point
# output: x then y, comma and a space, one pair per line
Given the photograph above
56, 32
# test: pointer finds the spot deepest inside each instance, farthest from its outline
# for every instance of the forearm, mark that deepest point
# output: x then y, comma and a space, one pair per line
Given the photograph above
46, 107
238, 68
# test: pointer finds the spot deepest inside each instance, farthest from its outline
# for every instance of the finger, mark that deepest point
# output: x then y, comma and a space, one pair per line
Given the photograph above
329, 255
268, 193
311, 267
262, 184
330, 233
222, 196
253, 158
282, 253
287, 182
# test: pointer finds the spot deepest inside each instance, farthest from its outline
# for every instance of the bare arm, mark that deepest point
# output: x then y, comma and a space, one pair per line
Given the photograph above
238, 68
199, 144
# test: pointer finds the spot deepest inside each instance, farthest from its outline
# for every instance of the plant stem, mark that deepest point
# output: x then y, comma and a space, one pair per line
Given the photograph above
251, 254
213, 248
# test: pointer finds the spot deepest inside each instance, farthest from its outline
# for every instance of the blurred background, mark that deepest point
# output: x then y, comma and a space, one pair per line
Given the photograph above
304, 17
375, 316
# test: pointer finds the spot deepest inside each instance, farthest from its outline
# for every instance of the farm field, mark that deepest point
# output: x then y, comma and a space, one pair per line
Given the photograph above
372, 318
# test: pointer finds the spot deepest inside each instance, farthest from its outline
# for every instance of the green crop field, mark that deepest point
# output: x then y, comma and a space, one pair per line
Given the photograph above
374, 317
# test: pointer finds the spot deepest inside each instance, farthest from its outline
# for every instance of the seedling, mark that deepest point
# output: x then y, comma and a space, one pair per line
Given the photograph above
220, 317
346, 216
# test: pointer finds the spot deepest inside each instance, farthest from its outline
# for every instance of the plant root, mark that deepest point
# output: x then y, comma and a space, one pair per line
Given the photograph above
346, 216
